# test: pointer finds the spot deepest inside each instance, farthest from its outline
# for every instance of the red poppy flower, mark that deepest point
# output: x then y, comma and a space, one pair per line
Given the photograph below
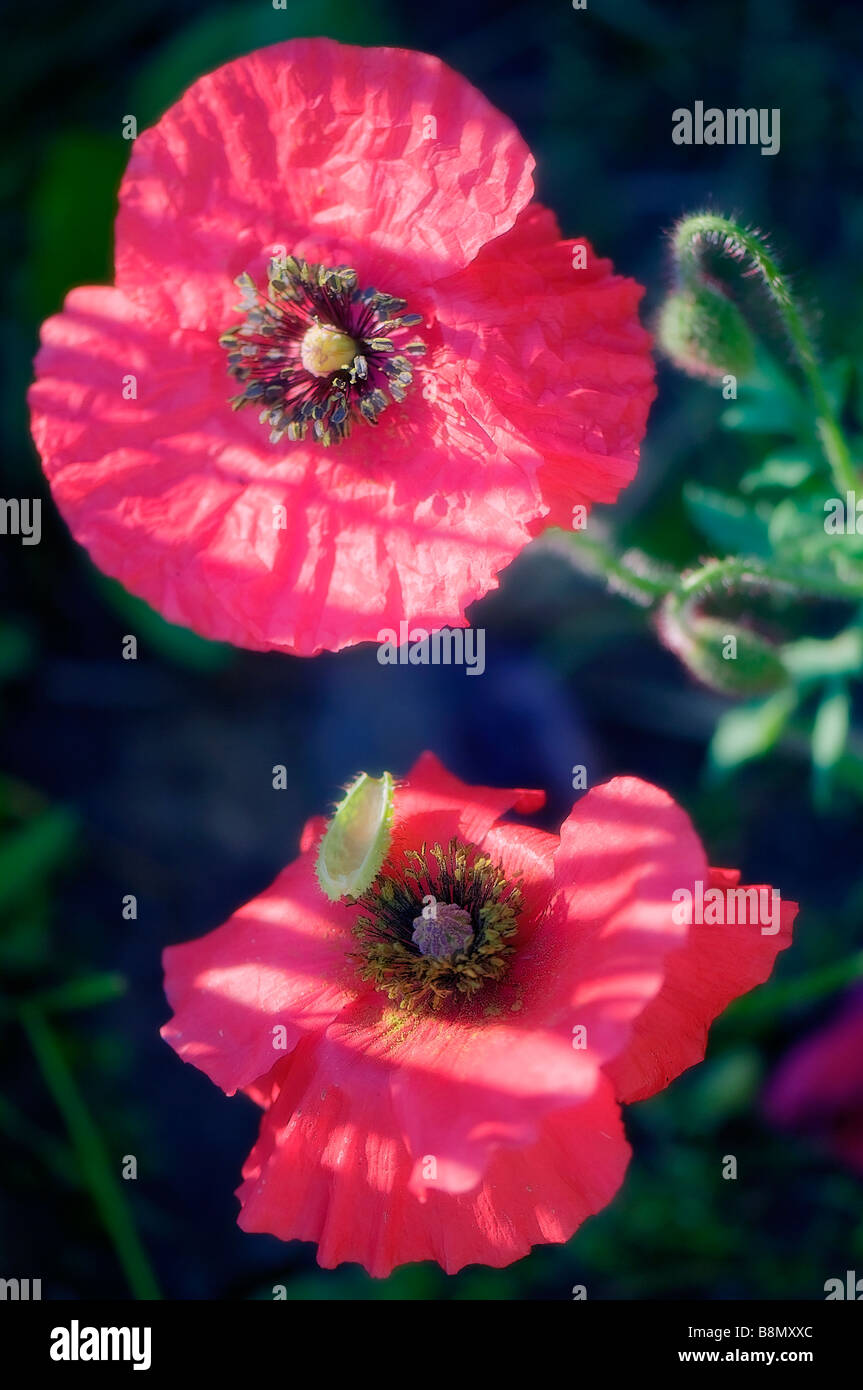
420, 374
818, 1089
448, 1088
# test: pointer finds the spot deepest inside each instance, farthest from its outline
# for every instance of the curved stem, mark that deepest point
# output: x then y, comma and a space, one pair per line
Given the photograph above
739, 243
645, 585
652, 583
721, 573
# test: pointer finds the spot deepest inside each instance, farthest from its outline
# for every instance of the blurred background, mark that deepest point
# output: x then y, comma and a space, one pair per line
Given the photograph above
154, 777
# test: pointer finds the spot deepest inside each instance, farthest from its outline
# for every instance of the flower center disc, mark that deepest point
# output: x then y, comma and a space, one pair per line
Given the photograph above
316, 353
435, 925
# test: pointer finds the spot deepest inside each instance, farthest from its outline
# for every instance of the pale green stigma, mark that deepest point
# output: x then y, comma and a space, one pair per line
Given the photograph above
325, 350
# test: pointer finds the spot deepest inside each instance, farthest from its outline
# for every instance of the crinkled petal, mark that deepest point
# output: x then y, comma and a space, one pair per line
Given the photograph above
296, 548
463, 1085
601, 955
559, 358
330, 1166
467, 1082
532, 395
280, 963
578, 980
712, 967
285, 958
385, 148
433, 805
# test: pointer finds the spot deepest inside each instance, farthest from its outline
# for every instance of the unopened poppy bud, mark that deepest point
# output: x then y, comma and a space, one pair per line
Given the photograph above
704, 333
729, 659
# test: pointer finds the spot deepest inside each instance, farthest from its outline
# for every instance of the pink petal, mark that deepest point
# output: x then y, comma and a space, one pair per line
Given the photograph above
712, 967
330, 1166
188, 504
282, 959
559, 358
315, 136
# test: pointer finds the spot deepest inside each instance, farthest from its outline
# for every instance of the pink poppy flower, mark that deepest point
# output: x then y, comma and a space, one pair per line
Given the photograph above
448, 1087
818, 1089
418, 376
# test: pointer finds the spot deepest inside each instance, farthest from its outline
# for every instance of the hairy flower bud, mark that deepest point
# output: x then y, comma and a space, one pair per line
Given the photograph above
704, 333
728, 658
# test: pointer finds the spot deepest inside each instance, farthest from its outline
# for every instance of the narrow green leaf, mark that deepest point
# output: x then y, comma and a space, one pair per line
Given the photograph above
85, 993
96, 1169
829, 737
813, 658
16, 651
734, 526
782, 470
750, 731
32, 851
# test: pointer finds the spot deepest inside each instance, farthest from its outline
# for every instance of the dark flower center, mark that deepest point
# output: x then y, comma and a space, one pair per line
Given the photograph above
436, 924
315, 353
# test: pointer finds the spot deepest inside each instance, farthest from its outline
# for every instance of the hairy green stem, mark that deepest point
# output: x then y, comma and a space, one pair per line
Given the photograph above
652, 583
719, 574
691, 234
644, 583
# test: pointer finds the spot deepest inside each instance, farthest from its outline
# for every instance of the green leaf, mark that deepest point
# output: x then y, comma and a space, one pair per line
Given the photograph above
734, 526
829, 737
813, 658
25, 943
87, 992
767, 403
786, 470
779, 998
96, 1166
750, 731
848, 773
33, 851
73, 216
725, 1088
16, 651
